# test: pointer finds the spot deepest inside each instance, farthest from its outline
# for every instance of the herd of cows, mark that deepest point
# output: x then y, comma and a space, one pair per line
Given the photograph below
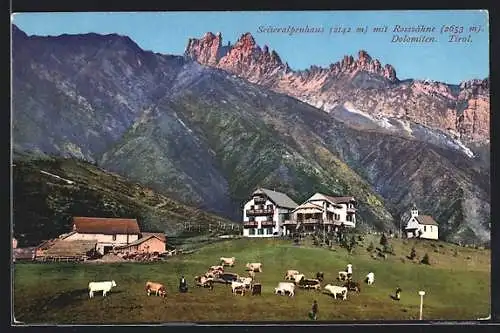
241, 285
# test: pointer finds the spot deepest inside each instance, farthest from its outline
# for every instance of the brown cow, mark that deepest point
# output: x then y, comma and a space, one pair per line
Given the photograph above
156, 287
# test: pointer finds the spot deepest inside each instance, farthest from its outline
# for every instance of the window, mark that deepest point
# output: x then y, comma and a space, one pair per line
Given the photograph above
260, 231
252, 207
251, 231
251, 219
114, 237
425, 228
269, 206
270, 231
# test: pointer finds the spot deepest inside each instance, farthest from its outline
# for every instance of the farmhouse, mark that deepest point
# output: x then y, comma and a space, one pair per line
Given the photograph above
148, 243
421, 226
107, 232
265, 213
323, 211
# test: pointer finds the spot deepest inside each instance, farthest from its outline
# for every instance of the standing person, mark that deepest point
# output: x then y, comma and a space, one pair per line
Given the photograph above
398, 294
314, 311
182, 285
349, 271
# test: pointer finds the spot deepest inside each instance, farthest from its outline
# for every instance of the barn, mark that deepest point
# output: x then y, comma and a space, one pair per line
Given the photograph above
148, 243
107, 232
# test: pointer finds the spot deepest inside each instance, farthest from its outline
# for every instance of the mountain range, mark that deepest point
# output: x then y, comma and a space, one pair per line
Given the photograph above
209, 126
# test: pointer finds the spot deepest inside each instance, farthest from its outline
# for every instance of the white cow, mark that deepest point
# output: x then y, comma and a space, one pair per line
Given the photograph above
342, 276
370, 278
227, 261
104, 286
247, 281
235, 285
334, 290
255, 266
284, 287
349, 269
298, 277
290, 273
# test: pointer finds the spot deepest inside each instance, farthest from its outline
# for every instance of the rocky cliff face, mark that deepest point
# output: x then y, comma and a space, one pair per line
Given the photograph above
371, 87
208, 138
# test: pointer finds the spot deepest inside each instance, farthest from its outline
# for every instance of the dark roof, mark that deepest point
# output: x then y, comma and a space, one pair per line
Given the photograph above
24, 252
104, 225
140, 241
426, 220
338, 200
70, 248
280, 199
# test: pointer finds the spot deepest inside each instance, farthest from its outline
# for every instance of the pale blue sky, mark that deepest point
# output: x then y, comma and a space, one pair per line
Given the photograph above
168, 32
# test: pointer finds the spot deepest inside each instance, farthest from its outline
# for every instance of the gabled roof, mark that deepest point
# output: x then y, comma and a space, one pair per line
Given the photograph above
425, 220
280, 199
70, 248
309, 205
140, 241
338, 200
160, 235
109, 226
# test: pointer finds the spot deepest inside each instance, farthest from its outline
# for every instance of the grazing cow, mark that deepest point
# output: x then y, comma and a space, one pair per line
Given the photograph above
227, 261
349, 270
216, 269
342, 276
256, 289
290, 273
104, 286
310, 284
157, 288
204, 281
285, 287
255, 267
370, 278
236, 284
297, 278
247, 281
320, 276
353, 286
239, 290
334, 290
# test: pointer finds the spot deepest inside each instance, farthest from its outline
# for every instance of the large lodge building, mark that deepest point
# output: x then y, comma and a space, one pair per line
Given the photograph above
269, 213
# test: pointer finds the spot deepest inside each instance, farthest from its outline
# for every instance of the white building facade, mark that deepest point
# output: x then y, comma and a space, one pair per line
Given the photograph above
265, 213
323, 212
421, 226
107, 232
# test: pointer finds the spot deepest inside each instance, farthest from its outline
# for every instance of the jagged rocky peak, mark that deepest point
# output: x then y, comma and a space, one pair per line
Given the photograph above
206, 50
476, 86
246, 40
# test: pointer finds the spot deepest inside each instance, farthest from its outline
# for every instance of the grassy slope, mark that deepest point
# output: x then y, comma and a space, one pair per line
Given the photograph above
457, 287
43, 205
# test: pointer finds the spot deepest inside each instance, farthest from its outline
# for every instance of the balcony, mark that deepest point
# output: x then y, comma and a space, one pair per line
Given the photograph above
267, 223
289, 222
351, 210
250, 224
311, 221
259, 200
259, 212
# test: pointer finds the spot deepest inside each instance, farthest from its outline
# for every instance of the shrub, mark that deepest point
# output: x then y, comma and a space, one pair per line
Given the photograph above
383, 240
455, 253
370, 247
413, 254
388, 249
426, 260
